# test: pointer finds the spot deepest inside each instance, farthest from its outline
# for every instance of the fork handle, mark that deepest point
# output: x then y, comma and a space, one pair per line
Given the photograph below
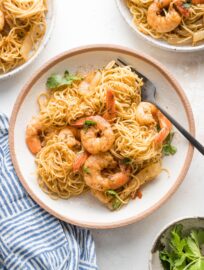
185, 133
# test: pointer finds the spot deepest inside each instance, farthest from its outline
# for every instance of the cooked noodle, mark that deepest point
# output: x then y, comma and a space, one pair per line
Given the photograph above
54, 164
25, 26
65, 104
189, 31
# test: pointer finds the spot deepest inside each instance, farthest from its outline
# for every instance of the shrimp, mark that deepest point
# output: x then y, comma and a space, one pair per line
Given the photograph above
93, 167
98, 137
79, 161
33, 131
163, 24
80, 122
181, 8
2, 20
67, 135
110, 105
144, 113
90, 82
147, 114
165, 126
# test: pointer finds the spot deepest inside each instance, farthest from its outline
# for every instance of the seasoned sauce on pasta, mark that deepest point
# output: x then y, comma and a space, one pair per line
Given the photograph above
94, 132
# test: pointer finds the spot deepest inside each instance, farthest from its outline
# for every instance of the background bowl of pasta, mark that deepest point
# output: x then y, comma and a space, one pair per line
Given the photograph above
183, 34
25, 29
120, 149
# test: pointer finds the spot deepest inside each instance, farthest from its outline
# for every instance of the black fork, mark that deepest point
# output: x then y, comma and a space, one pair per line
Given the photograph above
149, 94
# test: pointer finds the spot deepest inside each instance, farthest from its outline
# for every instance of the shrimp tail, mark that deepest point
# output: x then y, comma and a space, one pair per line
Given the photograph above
179, 4
110, 104
165, 126
91, 81
80, 122
34, 144
79, 161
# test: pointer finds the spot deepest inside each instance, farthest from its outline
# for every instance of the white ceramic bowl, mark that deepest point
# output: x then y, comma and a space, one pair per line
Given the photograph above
125, 12
86, 210
50, 19
187, 222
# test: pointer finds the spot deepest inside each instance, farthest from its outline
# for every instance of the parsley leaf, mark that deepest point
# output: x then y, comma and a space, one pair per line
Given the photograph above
166, 259
86, 170
192, 248
88, 124
186, 5
117, 202
57, 80
197, 265
126, 161
111, 192
199, 235
177, 243
168, 148
183, 250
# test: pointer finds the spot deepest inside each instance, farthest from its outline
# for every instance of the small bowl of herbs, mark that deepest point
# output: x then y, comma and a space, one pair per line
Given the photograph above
179, 246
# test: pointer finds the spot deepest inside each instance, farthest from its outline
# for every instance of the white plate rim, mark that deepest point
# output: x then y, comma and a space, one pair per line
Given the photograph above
159, 44
81, 50
42, 46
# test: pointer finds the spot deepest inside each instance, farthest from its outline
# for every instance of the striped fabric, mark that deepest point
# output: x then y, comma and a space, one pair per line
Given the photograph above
30, 238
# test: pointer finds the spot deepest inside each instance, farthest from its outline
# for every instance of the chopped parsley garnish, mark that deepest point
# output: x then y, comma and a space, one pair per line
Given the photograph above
183, 250
86, 170
186, 5
168, 148
57, 80
88, 124
117, 202
126, 160
111, 192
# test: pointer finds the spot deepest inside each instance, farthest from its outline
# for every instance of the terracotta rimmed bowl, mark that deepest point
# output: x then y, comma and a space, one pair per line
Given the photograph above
188, 223
50, 20
128, 17
86, 210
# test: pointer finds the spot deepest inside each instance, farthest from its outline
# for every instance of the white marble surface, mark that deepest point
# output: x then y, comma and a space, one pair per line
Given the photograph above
82, 22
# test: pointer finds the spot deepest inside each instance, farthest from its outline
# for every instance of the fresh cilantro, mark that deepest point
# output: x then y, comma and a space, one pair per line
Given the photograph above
183, 251
168, 148
57, 80
88, 124
186, 5
117, 202
86, 170
158, 127
111, 192
126, 161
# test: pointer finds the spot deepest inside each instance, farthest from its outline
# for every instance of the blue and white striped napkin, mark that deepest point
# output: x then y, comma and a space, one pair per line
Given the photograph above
30, 238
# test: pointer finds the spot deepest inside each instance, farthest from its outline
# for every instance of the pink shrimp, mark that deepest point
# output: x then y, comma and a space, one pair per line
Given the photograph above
79, 161
91, 81
147, 114
95, 180
110, 113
